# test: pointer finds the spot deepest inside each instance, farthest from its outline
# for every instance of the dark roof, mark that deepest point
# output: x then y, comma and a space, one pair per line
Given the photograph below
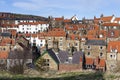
53, 55
17, 54
76, 57
96, 42
6, 34
64, 56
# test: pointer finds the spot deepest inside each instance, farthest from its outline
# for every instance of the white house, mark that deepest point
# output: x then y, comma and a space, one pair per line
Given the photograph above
37, 40
32, 27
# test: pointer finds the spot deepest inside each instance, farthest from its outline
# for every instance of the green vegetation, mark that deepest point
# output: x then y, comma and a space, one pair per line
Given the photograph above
87, 75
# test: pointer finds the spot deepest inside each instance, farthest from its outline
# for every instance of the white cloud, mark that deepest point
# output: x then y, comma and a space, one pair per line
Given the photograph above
65, 4
26, 5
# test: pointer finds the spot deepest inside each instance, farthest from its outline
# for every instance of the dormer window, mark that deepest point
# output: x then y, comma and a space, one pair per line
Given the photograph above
114, 50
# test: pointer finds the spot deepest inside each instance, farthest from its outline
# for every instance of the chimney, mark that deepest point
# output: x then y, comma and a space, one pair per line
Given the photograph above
55, 45
46, 45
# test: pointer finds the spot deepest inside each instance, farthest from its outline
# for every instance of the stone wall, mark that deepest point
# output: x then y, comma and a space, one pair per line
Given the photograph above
52, 64
95, 51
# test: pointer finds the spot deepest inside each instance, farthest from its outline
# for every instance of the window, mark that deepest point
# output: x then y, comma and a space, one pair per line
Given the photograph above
2, 61
49, 44
41, 44
68, 44
34, 32
22, 28
36, 28
46, 61
60, 44
101, 54
88, 53
41, 40
111, 56
88, 47
101, 47
49, 39
4, 49
60, 38
34, 41
76, 44
76, 38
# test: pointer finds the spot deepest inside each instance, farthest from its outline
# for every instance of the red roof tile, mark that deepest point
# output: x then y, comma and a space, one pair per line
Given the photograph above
113, 46
102, 63
3, 54
106, 18
117, 19
59, 19
89, 61
110, 24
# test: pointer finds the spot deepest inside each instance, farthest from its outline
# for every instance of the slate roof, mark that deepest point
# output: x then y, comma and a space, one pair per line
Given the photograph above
17, 54
96, 42
76, 57
6, 34
53, 55
64, 56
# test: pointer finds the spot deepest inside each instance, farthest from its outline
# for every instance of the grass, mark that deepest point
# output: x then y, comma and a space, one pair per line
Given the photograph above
61, 76
85, 75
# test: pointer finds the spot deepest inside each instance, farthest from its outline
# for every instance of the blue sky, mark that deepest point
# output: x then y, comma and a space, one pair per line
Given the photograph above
66, 8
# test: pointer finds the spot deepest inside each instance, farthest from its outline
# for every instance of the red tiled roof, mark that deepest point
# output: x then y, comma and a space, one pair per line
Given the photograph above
110, 24
106, 18
113, 34
117, 19
71, 27
113, 45
34, 35
28, 23
89, 61
9, 25
74, 37
96, 20
102, 63
56, 32
13, 32
59, 19
6, 41
3, 54
67, 20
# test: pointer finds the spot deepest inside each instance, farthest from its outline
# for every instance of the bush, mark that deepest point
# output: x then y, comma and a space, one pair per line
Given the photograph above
17, 69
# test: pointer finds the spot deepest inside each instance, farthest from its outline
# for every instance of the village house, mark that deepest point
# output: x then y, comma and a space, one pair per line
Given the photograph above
117, 20
57, 60
56, 34
95, 48
113, 55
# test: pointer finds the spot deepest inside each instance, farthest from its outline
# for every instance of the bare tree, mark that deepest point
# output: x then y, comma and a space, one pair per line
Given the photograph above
18, 59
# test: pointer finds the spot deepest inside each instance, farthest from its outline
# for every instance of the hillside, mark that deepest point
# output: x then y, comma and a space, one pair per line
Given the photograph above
14, 16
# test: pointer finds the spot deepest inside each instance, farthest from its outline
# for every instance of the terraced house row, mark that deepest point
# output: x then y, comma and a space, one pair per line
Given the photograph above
64, 44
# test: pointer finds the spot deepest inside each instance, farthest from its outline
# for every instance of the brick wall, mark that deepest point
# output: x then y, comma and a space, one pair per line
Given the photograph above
70, 67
